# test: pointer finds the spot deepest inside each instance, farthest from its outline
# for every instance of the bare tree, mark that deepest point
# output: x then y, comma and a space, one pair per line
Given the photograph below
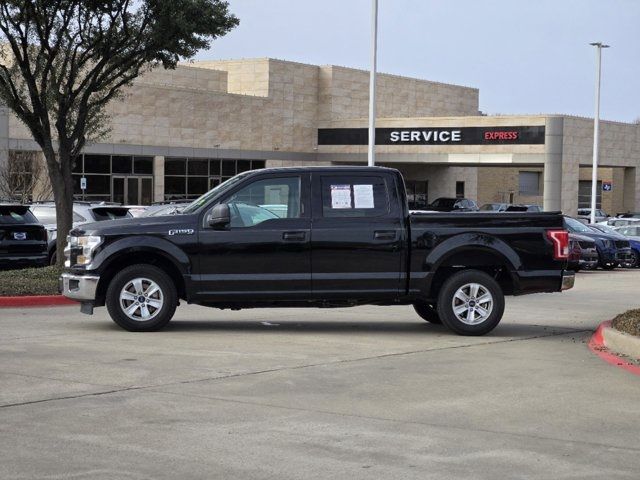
63, 61
23, 178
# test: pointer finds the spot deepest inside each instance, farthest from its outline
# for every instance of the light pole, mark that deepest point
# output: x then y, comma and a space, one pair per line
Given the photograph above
371, 153
596, 131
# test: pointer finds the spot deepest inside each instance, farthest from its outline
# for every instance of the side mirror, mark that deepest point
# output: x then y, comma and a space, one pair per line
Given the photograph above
220, 217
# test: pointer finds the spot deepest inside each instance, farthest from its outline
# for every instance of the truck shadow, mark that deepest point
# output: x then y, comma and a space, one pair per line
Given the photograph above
504, 330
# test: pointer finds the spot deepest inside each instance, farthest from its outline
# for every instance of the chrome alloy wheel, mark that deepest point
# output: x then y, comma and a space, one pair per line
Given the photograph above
472, 303
141, 299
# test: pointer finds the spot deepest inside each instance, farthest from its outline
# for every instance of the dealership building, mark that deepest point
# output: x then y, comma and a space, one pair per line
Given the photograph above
178, 133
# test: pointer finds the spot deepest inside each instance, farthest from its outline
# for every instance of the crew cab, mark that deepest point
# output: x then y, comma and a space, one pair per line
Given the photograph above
315, 237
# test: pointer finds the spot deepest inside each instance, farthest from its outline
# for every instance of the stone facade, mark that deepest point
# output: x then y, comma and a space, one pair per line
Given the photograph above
271, 110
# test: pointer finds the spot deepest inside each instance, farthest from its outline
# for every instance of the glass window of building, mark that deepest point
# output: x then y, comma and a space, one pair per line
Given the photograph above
188, 178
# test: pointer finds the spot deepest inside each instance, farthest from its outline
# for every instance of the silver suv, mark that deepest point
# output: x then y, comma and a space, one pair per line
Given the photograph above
83, 212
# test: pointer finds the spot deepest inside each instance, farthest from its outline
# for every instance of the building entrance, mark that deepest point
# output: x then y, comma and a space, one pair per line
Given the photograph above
132, 190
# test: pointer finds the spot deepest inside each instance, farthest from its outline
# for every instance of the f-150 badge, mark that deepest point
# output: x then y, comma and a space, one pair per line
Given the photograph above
181, 231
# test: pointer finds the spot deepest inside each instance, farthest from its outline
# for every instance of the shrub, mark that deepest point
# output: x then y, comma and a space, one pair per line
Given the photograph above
29, 281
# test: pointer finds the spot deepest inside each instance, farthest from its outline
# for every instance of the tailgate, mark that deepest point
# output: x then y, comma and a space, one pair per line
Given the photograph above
19, 233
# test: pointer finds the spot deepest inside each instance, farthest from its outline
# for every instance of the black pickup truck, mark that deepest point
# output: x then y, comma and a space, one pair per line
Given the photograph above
315, 237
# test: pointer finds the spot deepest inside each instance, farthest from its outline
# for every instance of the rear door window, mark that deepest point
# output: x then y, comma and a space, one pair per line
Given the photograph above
354, 196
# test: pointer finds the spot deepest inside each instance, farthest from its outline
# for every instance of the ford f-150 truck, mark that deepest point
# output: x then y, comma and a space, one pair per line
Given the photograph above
315, 237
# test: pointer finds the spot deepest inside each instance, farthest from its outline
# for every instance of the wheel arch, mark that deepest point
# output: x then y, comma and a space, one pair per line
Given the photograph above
132, 256
473, 251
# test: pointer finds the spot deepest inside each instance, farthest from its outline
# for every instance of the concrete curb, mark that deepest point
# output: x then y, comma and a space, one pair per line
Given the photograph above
621, 342
598, 345
36, 301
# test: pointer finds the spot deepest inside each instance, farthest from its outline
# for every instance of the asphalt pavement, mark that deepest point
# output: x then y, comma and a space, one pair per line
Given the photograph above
368, 392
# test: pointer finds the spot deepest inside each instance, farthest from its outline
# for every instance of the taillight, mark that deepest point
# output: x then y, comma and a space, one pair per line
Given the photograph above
560, 240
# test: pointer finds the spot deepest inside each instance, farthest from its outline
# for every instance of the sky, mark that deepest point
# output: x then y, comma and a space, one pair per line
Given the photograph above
525, 56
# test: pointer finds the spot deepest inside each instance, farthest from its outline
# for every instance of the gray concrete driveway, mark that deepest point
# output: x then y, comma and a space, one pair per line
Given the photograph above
368, 392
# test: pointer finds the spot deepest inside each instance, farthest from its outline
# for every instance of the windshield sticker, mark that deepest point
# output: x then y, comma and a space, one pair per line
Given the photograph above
363, 196
341, 196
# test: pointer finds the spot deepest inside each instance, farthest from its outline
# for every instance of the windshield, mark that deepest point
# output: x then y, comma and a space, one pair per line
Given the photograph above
11, 215
575, 226
204, 199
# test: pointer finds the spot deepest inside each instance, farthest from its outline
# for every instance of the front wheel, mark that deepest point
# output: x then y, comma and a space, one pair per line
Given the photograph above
471, 302
141, 298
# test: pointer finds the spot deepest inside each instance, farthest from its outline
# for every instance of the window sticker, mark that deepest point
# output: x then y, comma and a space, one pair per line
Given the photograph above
341, 196
363, 196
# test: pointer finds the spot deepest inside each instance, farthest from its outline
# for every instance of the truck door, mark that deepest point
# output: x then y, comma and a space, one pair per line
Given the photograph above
264, 254
357, 237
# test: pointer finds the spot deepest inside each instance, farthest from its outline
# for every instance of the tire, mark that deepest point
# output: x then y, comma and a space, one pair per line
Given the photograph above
427, 312
155, 311
608, 266
54, 258
635, 261
472, 285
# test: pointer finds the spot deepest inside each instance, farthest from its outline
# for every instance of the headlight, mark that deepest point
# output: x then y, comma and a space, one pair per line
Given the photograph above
80, 250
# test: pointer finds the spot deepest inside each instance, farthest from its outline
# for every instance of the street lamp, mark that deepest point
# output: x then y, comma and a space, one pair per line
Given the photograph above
371, 153
596, 130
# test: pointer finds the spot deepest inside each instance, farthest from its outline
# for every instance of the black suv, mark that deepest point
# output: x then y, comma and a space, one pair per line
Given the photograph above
23, 241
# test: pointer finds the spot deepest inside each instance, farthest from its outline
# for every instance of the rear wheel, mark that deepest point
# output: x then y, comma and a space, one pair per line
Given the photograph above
141, 298
635, 259
471, 302
427, 312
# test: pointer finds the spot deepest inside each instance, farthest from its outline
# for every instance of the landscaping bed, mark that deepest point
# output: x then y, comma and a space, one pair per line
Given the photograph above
29, 281
628, 322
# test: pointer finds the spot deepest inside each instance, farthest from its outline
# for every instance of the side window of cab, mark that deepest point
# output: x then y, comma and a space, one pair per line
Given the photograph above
263, 200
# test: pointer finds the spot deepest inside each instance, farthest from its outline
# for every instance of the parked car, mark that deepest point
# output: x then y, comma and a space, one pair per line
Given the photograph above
137, 210
493, 207
165, 208
631, 233
445, 204
621, 222
23, 240
169, 207
83, 212
585, 213
353, 242
613, 250
583, 254
635, 215
524, 208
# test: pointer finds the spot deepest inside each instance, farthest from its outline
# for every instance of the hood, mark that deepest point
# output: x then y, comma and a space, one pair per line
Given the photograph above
134, 225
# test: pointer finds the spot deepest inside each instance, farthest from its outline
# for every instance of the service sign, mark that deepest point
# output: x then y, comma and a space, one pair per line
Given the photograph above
435, 136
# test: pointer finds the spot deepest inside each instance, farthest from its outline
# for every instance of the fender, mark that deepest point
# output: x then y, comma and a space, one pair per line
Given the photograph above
477, 241
141, 243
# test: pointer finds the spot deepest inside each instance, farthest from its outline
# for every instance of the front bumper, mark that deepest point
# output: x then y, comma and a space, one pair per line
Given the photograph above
79, 287
624, 257
589, 259
568, 280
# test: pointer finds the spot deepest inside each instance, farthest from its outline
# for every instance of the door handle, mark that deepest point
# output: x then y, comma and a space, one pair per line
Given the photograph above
294, 236
384, 235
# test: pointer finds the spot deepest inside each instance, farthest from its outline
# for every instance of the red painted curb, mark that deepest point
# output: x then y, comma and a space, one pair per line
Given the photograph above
36, 301
597, 346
